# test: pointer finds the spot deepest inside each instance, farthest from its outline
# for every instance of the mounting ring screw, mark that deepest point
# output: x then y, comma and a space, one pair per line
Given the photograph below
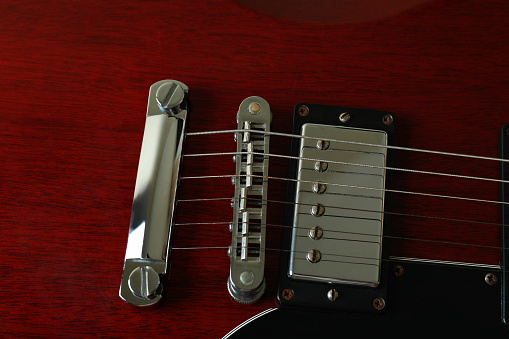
379, 304
387, 119
344, 117
490, 279
333, 295
398, 270
303, 110
287, 294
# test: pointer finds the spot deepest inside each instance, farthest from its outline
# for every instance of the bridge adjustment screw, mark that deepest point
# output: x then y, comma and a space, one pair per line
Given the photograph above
254, 108
247, 277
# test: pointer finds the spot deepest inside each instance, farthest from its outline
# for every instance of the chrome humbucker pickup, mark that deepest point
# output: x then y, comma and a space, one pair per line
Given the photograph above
338, 219
334, 252
246, 282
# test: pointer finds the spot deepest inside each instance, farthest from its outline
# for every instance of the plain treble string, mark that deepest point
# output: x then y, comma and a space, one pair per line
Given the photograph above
348, 186
399, 148
379, 260
487, 223
347, 163
449, 243
443, 242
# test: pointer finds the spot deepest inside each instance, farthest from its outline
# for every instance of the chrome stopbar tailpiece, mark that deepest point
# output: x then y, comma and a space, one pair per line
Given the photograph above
246, 283
146, 259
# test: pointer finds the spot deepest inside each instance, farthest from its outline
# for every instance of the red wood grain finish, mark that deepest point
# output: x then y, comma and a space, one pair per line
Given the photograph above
74, 79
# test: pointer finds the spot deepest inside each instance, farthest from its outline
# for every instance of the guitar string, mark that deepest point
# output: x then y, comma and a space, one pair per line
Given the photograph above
444, 242
400, 148
355, 164
477, 266
347, 163
290, 251
363, 210
354, 233
348, 209
352, 186
348, 186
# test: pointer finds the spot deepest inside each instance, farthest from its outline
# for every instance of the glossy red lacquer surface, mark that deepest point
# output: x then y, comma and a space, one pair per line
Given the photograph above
74, 79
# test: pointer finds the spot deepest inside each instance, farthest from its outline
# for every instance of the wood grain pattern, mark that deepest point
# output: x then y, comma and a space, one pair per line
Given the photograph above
74, 79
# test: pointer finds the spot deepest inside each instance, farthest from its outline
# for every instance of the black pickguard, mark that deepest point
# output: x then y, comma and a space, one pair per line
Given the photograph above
428, 299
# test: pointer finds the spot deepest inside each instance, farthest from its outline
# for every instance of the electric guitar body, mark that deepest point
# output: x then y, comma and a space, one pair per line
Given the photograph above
426, 78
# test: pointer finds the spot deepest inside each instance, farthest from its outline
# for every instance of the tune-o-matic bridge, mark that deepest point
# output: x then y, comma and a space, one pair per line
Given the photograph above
246, 283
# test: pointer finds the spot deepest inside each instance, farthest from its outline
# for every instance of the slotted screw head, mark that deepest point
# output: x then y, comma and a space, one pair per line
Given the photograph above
322, 144
316, 232
319, 187
333, 295
314, 256
169, 97
344, 117
144, 282
321, 166
317, 210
